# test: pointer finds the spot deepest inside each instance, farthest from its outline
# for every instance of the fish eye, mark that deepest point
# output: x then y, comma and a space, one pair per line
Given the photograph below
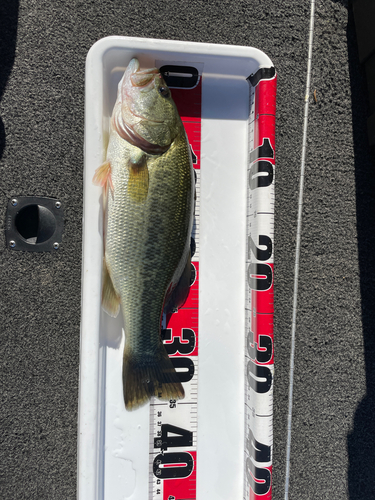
164, 91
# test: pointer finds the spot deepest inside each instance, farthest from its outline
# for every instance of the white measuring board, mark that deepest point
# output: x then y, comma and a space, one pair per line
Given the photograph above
200, 440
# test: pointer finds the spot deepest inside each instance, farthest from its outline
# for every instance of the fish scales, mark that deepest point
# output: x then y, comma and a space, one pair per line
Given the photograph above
145, 242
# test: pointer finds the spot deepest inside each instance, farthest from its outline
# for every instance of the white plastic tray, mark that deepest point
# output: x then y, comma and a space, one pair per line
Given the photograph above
113, 444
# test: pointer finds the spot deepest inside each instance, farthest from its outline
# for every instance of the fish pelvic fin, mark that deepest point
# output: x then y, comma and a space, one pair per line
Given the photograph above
110, 298
149, 375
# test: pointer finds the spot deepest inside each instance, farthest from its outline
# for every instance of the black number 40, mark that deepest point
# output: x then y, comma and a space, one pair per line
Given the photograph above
172, 436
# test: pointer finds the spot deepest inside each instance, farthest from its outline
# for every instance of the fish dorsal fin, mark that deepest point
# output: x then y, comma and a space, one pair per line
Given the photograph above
138, 178
110, 298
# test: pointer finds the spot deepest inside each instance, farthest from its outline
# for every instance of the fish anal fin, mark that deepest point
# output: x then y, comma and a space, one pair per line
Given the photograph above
138, 179
179, 294
149, 375
102, 176
110, 298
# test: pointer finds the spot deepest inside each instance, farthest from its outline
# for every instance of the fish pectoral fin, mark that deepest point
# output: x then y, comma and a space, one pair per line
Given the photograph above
179, 294
138, 179
102, 176
110, 298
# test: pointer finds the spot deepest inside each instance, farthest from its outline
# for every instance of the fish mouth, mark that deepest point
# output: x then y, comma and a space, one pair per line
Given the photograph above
140, 77
144, 78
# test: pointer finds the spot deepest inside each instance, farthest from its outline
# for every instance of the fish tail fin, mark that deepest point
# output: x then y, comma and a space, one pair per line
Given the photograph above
149, 375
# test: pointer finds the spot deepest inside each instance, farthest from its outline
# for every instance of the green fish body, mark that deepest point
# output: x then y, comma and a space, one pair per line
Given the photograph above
149, 190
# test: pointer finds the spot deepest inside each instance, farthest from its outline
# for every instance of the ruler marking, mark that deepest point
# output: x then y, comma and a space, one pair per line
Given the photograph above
259, 376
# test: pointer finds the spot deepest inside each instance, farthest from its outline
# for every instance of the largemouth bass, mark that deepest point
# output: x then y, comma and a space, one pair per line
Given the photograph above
148, 183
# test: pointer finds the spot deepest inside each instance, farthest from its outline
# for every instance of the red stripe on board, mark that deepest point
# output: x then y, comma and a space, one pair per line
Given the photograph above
184, 319
265, 97
188, 102
193, 297
265, 128
260, 342
266, 496
181, 325
193, 132
262, 301
262, 326
184, 488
